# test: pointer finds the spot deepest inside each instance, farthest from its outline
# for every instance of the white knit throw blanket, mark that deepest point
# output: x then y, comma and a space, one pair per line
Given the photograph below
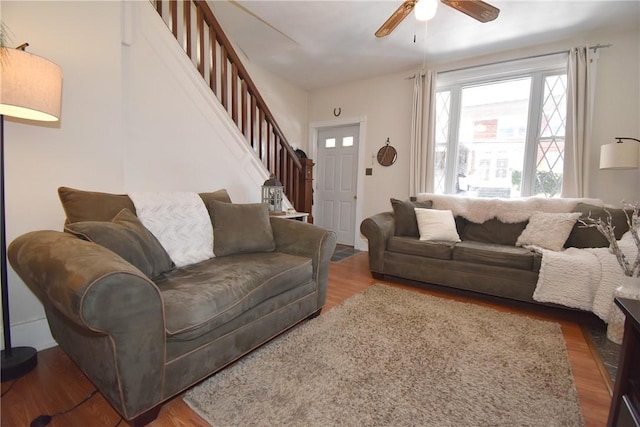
479, 210
180, 222
583, 278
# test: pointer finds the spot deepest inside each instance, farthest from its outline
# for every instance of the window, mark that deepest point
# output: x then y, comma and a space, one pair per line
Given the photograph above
330, 143
501, 136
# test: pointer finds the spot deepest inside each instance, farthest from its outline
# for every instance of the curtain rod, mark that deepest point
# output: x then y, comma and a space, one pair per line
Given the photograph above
594, 48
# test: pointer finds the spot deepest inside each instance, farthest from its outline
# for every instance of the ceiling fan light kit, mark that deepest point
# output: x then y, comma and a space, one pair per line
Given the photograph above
479, 10
426, 9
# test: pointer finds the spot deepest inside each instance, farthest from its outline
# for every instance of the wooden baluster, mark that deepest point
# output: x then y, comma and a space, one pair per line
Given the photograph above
200, 30
186, 24
223, 78
234, 94
254, 126
243, 111
173, 8
213, 72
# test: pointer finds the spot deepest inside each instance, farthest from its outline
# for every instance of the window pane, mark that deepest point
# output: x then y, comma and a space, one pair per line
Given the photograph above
347, 141
330, 143
550, 153
443, 109
492, 136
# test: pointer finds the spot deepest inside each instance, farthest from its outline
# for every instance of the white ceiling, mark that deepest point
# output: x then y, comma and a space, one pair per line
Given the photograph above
315, 44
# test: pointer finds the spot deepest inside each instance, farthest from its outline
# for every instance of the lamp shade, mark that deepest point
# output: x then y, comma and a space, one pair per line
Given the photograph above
619, 155
30, 86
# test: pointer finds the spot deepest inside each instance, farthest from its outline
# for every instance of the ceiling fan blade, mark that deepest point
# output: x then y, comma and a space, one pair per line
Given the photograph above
396, 18
476, 9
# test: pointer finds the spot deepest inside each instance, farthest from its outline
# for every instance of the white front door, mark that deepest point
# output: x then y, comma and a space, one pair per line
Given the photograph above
337, 171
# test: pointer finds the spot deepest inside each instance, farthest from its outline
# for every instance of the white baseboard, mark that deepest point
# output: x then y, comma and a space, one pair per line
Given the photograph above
31, 334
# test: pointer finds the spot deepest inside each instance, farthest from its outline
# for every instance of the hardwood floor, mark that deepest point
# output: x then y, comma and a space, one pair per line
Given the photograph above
56, 385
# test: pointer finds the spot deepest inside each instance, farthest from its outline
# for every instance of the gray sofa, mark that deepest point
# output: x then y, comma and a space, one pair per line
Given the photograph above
486, 259
141, 339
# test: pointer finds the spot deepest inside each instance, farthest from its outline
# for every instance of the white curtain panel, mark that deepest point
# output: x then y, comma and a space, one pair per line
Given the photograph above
421, 179
581, 71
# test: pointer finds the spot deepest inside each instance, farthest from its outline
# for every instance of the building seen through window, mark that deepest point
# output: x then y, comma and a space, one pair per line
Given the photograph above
505, 138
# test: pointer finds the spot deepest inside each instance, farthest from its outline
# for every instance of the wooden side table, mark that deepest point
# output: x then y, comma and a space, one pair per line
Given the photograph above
625, 403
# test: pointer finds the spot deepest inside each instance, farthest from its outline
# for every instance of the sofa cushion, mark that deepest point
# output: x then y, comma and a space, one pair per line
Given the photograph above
493, 254
493, 231
80, 205
437, 225
415, 246
405, 216
548, 230
589, 237
241, 228
126, 236
201, 297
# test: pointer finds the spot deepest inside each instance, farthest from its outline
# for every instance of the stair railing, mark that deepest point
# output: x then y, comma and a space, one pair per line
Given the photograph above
194, 26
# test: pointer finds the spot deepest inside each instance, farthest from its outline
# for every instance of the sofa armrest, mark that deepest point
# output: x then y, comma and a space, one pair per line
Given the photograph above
378, 229
307, 240
93, 299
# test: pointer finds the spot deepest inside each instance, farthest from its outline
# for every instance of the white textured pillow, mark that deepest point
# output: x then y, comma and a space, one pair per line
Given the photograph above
548, 230
436, 224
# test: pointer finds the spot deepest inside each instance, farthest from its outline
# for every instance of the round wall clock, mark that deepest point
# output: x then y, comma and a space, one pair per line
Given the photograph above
387, 155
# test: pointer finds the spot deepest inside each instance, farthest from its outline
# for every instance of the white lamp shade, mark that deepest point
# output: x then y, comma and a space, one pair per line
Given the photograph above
30, 86
425, 9
620, 155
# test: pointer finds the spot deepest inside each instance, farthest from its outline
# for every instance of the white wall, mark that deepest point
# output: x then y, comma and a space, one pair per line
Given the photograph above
135, 117
287, 103
386, 103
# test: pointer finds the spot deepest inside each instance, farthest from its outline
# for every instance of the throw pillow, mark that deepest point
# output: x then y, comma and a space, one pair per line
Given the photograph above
436, 224
493, 231
405, 216
241, 228
126, 236
548, 230
589, 237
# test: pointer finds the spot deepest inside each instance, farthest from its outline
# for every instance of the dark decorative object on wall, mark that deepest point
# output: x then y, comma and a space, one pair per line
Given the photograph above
387, 155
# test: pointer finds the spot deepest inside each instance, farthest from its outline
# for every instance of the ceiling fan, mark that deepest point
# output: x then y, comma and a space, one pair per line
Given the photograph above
483, 12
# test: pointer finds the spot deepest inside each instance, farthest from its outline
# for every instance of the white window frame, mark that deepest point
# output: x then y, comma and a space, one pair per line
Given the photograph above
537, 68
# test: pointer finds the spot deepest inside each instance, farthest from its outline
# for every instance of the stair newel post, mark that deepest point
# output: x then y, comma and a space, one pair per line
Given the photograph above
306, 188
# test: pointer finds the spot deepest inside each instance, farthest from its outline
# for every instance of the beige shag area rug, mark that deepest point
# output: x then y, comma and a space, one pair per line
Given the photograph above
392, 357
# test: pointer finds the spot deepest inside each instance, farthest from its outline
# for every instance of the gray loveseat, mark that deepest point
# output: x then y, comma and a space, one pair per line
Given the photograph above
486, 260
143, 330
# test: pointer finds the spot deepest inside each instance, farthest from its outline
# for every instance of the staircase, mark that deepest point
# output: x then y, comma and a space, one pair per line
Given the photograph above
198, 32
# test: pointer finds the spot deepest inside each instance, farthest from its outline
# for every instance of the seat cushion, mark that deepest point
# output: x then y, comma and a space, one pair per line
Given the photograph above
493, 254
415, 246
200, 297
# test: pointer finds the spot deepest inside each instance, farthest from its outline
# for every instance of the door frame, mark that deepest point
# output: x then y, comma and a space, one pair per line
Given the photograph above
314, 130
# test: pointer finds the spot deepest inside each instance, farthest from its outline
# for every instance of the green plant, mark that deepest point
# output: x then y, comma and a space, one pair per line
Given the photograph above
547, 183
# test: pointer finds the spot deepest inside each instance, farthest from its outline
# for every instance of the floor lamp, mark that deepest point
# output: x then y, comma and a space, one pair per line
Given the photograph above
30, 88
